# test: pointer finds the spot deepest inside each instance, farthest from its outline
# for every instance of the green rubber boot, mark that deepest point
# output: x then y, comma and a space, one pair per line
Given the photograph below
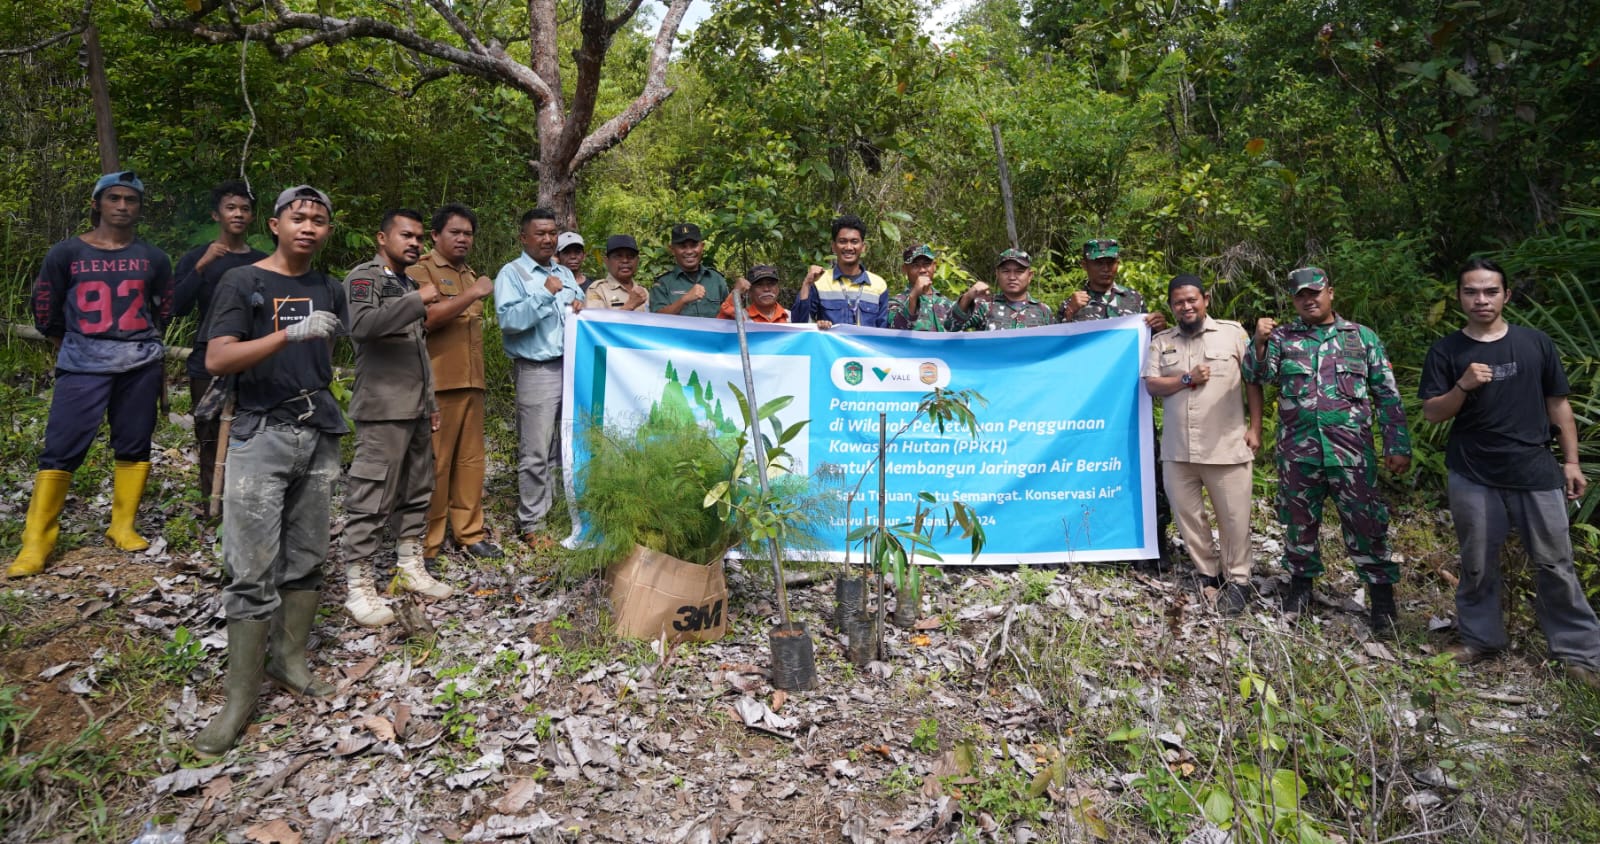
247, 643
286, 649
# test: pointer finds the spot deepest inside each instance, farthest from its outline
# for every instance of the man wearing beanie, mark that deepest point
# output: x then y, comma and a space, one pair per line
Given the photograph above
1196, 369
102, 298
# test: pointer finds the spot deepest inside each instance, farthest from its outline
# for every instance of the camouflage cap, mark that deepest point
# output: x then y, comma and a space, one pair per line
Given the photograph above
1016, 255
762, 272
1312, 277
1101, 247
920, 250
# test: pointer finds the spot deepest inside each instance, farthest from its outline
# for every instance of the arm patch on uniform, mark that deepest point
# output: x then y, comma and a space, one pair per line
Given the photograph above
360, 289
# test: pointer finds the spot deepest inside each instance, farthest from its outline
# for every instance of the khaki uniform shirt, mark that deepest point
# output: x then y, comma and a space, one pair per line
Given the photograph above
456, 347
609, 294
1206, 424
394, 378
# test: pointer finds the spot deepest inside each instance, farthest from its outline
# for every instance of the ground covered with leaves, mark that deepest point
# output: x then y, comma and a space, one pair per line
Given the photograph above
1068, 704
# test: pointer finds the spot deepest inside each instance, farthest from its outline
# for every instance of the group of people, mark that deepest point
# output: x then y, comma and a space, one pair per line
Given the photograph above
415, 318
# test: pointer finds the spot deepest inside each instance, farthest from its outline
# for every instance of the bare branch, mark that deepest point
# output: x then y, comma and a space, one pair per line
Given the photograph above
656, 91
40, 45
622, 18
461, 29
425, 76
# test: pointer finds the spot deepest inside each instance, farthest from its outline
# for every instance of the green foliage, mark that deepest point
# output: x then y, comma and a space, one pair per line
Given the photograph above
646, 486
926, 737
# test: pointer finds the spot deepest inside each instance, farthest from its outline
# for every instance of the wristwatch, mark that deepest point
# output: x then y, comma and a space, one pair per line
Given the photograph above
1187, 380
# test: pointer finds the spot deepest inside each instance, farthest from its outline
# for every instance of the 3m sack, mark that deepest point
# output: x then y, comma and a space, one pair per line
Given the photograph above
655, 596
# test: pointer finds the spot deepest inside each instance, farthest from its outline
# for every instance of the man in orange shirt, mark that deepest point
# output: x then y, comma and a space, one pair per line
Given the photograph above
762, 306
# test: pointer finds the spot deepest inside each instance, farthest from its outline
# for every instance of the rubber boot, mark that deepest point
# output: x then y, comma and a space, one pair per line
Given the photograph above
126, 490
247, 640
44, 522
362, 601
411, 574
286, 646
1381, 610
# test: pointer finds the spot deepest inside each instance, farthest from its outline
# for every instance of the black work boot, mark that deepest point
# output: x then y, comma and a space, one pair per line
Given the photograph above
1381, 609
1297, 601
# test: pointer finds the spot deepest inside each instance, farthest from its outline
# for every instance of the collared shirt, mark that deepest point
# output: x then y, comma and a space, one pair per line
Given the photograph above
933, 311
532, 318
751, 313
1001, 314
456, 347
394, 377
860, 299
672, 284
1205, 424
610, 294
1333, 382
1116, 302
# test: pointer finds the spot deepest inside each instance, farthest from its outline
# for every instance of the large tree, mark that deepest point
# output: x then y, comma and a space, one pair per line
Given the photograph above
439, 38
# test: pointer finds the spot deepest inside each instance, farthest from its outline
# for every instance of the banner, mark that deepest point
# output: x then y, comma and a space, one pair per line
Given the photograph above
1062, 470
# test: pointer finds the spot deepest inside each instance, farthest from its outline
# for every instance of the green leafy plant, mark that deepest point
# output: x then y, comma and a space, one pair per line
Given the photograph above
926, 737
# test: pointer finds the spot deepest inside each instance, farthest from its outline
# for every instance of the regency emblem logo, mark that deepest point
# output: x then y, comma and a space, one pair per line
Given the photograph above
852, 373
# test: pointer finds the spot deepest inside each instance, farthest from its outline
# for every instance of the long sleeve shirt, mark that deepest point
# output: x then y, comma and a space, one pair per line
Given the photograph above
532, 319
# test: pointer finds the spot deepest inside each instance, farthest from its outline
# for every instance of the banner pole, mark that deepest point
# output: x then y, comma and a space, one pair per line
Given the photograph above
761, 450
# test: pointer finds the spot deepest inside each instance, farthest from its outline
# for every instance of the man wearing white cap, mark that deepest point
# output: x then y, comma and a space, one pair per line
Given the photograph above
571, 253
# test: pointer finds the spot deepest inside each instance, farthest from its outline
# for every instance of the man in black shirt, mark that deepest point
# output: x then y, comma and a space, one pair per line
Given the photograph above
272, 324
1504, 386
101, 298
199, 270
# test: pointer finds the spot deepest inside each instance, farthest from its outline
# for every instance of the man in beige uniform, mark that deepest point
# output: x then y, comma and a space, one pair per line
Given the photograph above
455, 347
1195, 368
391, 475
618, 290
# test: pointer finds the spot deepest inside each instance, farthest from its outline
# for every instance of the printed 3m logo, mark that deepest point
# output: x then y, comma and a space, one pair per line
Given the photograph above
703, 617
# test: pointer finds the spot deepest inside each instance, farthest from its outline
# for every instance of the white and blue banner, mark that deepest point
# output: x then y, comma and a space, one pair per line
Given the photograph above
1062, 470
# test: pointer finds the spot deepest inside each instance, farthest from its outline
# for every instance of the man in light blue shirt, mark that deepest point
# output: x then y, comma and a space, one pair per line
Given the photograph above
533, 295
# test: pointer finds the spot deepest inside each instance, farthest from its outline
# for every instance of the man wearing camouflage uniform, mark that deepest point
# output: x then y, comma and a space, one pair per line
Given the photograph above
977, 308
920, 308
396, 414
1333, 381
1104, 298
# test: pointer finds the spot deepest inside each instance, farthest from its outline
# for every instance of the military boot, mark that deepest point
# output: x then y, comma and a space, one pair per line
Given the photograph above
43, 526
126, 490
411, 574
1297, 601
1381, 610
246, 642
286, 647
362, 601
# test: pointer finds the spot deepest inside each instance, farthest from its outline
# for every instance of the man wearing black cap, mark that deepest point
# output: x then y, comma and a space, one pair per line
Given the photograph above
273, 324
690, 288
761, 287
618, 291
101, 298
1196, 369
977, 309
1104, 297
921, 307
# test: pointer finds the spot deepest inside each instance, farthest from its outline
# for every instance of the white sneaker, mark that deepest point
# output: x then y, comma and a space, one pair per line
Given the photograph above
363, 602
412, 575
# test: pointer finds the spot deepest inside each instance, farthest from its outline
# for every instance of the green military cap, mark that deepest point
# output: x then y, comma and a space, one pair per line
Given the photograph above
921, 250
1017, 255
1312, 277
1101, 247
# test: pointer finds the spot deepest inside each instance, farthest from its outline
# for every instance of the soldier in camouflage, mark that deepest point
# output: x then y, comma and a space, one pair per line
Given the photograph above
921, 307
1104, 298
1334, 381
977, 309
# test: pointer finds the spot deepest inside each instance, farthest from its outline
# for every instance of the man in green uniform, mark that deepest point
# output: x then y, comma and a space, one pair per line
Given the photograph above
1334, 381
977, 308
393, 405
1104, 298
690, 288
921, 307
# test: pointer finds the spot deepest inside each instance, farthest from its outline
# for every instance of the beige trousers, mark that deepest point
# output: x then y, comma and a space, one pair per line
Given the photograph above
1228, 485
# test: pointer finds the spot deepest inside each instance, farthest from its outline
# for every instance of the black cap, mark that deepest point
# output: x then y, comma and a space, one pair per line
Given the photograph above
762, 272
686, 232
621, 241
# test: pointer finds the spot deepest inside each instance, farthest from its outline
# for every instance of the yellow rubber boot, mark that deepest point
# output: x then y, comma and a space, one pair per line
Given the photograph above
126, 490
44, 522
